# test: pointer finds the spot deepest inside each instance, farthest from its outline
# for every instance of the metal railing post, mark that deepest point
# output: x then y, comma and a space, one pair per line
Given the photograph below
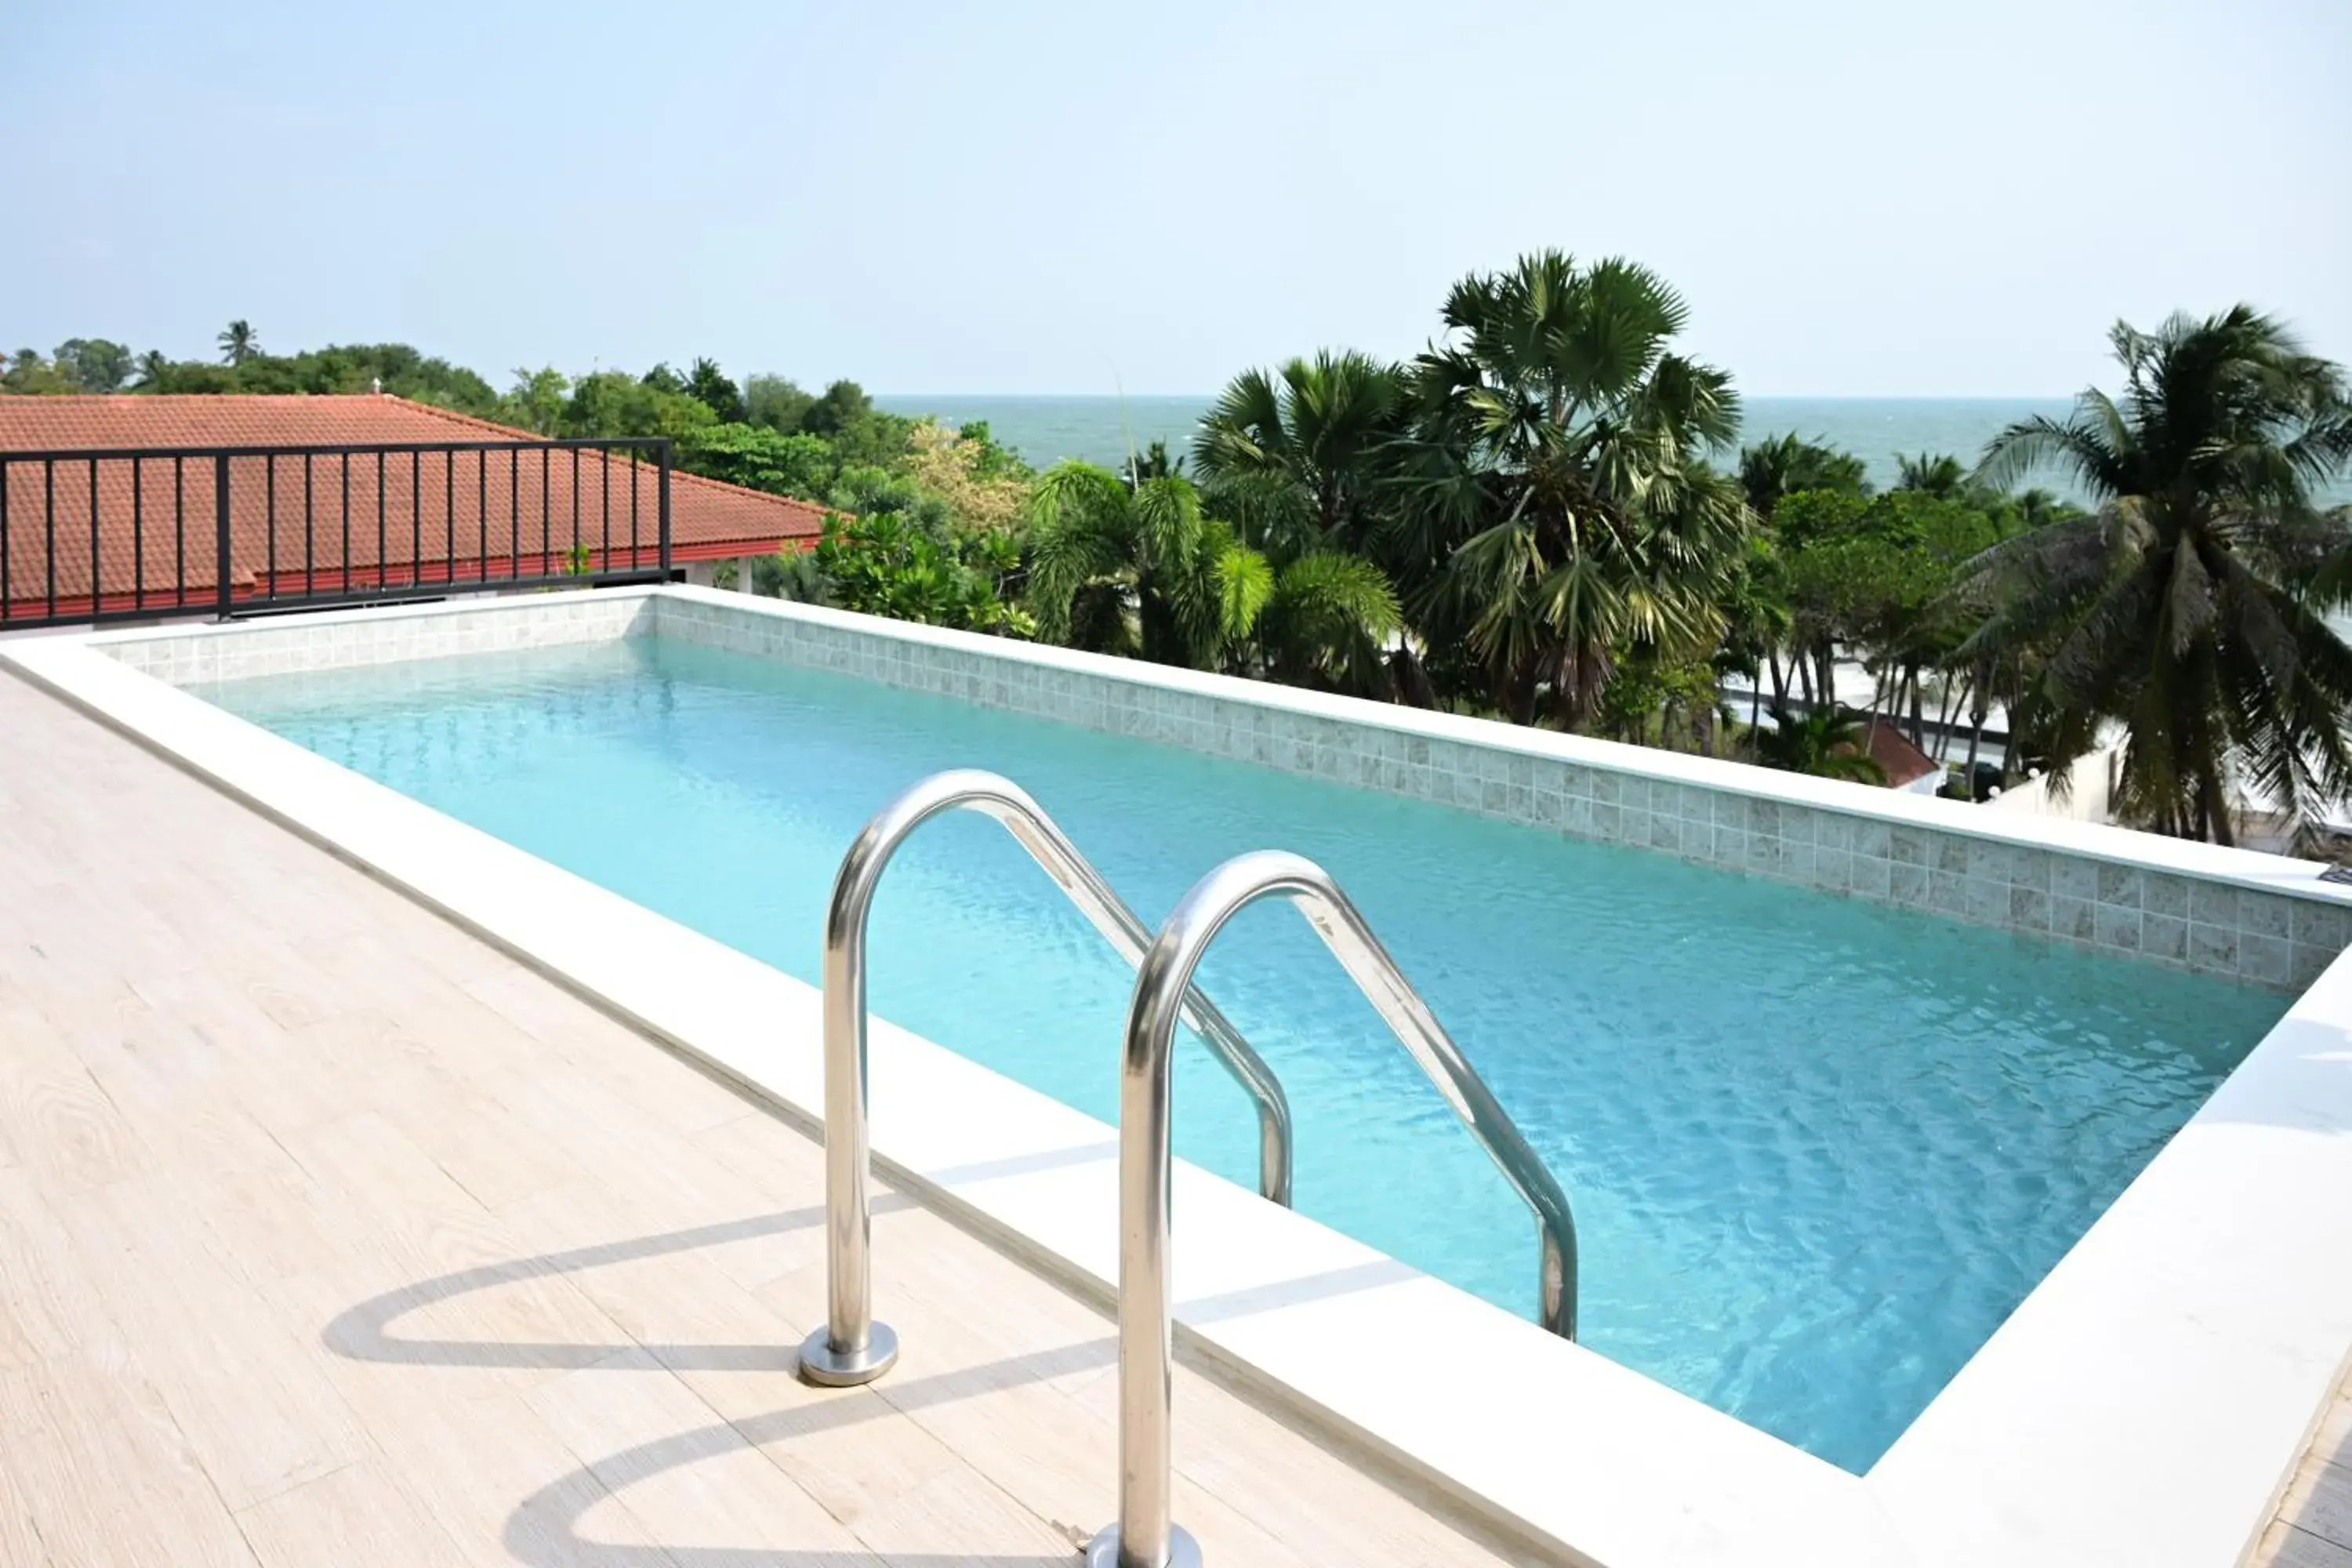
220, 533
852, 1348
661, 513
1145, 1534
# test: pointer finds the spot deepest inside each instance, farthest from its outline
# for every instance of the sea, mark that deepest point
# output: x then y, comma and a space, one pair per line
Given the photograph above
1045, 430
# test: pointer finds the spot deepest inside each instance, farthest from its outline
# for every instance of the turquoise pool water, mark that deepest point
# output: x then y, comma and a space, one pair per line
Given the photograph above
1818, 1148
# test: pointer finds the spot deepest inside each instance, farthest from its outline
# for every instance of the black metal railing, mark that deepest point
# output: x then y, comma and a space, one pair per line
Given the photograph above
120, 534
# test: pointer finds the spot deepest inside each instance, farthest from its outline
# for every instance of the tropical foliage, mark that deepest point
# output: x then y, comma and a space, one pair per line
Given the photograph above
1543, 517
1831, 742
1133, 566
2189, 609
901, 565
1557, 506
1305, 453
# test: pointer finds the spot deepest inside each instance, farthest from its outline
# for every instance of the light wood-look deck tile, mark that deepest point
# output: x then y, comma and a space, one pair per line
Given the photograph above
328, 1233
359, 1506
106, 1474
2314, 1527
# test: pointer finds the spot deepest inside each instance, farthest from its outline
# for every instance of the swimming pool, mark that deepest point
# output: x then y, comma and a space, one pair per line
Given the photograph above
1818, 1148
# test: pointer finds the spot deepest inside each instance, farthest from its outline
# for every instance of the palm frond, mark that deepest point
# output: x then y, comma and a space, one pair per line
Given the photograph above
1331, 620
1244, 583
2080, 444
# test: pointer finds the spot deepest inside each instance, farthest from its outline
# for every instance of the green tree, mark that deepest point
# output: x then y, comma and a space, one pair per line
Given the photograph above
1756, 625
537, 400
1136, 569
1328, 622
611, 403
1653, 701
95, 364
153, 367
239, 343
761, 459
870, 489
990, 457
1303, 453
186, 376
1784, 465
1299, 460
1830, 742
1761, 621
1940, 474
347, 368
1556, 492
2188, 610
841, 406
893, 564
27, 372
860, 433
774, 403
1871, 578
707, 385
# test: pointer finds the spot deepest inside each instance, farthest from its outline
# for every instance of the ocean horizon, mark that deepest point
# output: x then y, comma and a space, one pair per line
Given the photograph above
1046, 428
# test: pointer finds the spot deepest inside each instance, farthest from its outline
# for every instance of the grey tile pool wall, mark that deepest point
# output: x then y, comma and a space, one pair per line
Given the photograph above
301, 643
2267, 938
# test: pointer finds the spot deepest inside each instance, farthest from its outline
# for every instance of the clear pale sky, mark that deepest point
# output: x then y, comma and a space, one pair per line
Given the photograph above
1868, 199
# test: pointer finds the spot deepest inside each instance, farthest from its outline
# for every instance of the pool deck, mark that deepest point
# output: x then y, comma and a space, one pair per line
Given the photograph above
328, 1232
2314, 1527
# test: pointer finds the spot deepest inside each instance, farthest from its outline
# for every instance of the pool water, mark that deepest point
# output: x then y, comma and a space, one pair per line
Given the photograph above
1818, 1148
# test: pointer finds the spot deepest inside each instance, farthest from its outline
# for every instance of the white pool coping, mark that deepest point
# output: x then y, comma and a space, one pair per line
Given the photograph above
2141, 1408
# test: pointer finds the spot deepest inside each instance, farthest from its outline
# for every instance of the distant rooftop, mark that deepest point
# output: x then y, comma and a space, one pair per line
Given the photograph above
1904, 761
465, 513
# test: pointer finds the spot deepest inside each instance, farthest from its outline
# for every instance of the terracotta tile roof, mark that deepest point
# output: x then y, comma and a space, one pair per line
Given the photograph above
481, 515
1894, 752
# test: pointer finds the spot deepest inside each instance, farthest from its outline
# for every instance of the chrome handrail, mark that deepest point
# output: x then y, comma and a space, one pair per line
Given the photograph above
1145, 1536
852, 1348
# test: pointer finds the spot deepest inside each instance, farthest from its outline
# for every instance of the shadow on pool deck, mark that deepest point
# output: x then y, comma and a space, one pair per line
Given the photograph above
544, 1530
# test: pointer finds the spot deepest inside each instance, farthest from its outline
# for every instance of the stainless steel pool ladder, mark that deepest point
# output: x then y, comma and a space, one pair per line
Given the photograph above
1145, 1535
852, 1348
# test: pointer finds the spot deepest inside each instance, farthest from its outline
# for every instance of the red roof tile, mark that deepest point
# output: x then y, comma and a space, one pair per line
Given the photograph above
1894, 752
482, 514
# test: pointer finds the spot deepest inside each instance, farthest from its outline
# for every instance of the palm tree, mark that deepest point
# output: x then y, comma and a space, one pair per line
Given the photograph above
1831, 742
1298, 458
1136, 569
239, 343
151, 369
1306, 447
1940, 474
1331, 621
1758, 622
1556, 492
2037, 508
2188, 609
1783, 465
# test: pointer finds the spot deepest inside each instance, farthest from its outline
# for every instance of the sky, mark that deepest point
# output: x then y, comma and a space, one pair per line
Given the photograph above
1864, 199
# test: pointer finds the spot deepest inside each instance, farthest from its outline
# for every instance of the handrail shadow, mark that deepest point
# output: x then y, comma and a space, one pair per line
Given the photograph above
362, 1332
544, 1530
